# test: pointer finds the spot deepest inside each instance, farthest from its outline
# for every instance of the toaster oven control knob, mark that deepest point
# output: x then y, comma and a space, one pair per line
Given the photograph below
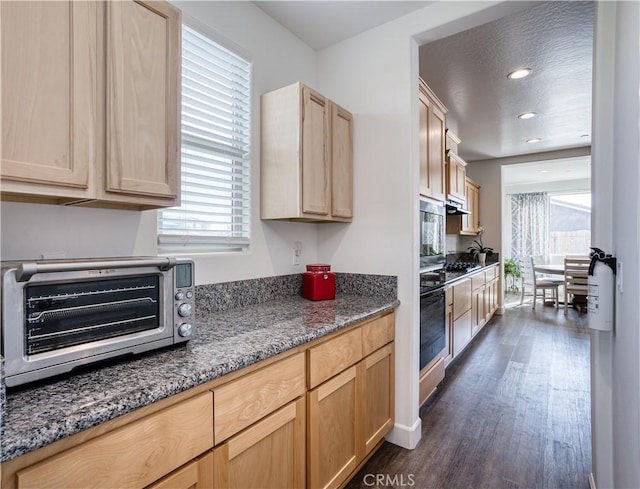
184, 310
184, 330
179, 295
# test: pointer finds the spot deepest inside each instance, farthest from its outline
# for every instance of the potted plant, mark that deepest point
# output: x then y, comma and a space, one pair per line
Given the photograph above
478, 249
511, 273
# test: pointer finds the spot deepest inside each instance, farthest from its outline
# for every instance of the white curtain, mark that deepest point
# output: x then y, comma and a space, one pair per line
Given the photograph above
529, 225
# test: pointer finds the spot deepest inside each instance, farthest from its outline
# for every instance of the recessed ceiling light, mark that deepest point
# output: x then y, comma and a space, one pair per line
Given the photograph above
544, 171
527, 115
521, 73
534, 140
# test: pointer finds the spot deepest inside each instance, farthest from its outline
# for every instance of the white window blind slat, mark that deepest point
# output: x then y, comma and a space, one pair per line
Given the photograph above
215, 191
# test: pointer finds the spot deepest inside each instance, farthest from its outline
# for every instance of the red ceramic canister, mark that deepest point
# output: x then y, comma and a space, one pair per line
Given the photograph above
319, 283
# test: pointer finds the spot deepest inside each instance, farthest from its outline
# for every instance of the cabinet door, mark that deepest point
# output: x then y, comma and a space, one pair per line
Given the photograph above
471, 220
195, 475
425, 171
431, 141
436, 152
461, 332
48, 97
477, 310
456, 175
341, 163
143, 101
461, 176
449, 323
377, 397
270, 453
488, 292
333, 438
315, 164
461, 297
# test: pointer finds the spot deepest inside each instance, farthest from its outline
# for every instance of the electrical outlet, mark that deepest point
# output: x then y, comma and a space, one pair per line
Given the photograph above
297, 252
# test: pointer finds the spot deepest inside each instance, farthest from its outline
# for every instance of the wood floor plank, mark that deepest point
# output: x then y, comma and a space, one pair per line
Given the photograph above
513, 412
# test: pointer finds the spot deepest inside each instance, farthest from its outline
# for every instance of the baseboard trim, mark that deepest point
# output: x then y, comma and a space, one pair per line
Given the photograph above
592, 481
406, 436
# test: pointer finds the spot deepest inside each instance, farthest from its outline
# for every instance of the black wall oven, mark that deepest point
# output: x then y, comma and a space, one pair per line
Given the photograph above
433, 329
432, 235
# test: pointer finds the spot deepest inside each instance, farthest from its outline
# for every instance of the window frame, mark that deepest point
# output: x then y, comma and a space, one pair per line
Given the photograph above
168, 244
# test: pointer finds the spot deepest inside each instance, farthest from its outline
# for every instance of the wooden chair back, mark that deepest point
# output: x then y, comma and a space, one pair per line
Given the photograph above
575, 274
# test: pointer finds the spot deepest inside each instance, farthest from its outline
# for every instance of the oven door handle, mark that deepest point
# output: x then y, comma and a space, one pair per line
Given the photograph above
26, 270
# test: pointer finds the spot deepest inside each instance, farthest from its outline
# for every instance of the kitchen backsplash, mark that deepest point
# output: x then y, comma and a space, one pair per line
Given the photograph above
230, 295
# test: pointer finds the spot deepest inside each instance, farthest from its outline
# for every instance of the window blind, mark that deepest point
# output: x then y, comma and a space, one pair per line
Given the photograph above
216, 109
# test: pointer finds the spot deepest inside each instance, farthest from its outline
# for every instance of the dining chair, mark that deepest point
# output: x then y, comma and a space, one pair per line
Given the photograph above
537, 284
576, 270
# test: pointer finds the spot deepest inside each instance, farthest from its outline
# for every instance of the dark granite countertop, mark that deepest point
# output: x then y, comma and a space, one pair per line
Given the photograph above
223, 342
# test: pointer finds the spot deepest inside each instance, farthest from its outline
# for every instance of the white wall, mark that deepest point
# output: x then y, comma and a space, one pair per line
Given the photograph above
602, 236
626, 243
30, 230
374, 75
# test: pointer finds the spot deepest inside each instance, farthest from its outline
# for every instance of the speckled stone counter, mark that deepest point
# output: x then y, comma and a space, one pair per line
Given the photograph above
223, 342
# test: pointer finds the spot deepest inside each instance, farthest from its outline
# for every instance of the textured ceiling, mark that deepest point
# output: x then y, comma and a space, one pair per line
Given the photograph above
323, 23
468, 71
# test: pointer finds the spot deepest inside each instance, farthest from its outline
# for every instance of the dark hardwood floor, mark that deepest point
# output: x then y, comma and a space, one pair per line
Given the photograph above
513, 412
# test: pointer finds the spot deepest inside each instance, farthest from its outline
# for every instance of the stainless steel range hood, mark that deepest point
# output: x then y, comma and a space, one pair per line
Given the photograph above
455, 208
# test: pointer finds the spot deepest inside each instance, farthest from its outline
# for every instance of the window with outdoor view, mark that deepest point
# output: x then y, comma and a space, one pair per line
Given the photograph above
216, 108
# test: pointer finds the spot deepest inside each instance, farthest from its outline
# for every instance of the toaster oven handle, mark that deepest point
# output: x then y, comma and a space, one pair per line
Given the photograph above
28, 269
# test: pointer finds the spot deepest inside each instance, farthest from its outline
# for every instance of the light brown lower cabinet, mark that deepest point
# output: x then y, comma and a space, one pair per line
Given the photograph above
270, 453
195, 475
377, 403
461, 332
349, 415
333, 430
263, 428
478, 317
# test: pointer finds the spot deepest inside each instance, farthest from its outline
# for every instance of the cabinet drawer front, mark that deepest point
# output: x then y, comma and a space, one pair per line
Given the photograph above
461, 298
491, 273
333, 356
132, 456
248, 399
377, 333
477, 281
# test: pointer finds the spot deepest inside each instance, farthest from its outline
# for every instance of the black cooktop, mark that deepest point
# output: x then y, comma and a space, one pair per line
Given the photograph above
434, 279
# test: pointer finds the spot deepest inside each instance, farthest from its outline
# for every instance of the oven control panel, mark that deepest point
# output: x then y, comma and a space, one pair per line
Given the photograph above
184, 300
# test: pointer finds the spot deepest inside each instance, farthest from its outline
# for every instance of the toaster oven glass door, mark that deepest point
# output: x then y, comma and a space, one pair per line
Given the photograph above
62, 315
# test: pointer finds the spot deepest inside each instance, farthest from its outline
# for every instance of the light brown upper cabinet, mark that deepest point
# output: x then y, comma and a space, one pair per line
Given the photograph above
471, 221
467, 224
432, 144
90, 103
306, 157
456, 170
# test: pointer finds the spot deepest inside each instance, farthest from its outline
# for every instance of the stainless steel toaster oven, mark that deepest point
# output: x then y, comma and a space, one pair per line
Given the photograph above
62, 314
